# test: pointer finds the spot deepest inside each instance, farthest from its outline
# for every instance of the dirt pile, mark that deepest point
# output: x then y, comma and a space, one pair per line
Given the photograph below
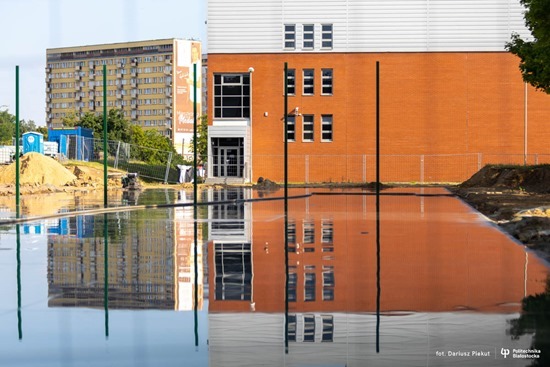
533, 179
37, 169
516, 198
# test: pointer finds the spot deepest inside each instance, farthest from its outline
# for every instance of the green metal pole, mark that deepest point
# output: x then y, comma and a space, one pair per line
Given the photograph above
105, 135
17, 141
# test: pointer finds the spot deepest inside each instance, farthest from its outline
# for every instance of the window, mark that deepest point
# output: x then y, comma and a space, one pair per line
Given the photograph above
291, 328
290, 36
326, 128
309, 328
308, 76
291, 81
307, 128
232, 95
326, 81
308, 36
233, 271
309, 231
326, 36
291, 232
328, 328
292, 284
328, 283
291, 128
309, 287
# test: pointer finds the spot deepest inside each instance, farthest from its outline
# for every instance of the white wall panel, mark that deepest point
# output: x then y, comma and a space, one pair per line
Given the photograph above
256, 26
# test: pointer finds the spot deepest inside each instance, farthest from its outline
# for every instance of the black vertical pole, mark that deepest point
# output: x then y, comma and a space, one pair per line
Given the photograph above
378, 289
286, 201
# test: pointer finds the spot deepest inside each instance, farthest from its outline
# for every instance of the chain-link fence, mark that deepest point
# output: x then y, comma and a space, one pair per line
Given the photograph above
148, 163
418, 168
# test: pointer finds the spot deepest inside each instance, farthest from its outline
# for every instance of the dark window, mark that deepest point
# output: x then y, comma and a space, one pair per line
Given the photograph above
231, 95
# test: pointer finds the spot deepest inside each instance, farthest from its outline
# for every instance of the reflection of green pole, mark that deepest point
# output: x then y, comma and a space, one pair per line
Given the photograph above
286, 202
17, 141
105, 135
195, 145
19, 319
106, 275
195, 225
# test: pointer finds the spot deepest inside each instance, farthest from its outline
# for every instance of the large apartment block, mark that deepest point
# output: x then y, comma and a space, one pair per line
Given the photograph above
151, 82
451, 98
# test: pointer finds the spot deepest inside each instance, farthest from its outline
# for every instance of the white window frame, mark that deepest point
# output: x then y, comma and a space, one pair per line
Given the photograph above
308, 122
289, 39
327, 36
327, 81
308, 81
308, 35
327, 120
291, 122
291, 82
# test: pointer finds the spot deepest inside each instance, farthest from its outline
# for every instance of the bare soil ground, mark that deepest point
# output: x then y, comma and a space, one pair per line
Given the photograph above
516, 198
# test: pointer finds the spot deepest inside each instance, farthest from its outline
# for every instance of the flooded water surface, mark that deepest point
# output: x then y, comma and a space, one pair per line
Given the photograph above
329, 278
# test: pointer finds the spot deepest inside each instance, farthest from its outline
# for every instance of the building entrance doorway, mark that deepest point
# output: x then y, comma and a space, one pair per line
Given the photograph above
228, 157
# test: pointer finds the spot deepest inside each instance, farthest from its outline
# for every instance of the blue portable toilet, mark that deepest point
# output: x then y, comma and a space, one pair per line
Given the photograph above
33, 142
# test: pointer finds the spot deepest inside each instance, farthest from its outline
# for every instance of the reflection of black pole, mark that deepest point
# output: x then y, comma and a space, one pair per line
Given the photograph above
286, 203
19, 319
106, 274
195, 147
196, 259
378, 289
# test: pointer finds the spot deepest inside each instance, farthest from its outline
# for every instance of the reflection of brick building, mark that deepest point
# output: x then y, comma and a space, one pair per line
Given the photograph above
140, 264
434, 258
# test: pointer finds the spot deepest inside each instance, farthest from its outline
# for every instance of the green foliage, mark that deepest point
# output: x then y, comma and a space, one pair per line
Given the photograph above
202, 140
7, 127
534, 54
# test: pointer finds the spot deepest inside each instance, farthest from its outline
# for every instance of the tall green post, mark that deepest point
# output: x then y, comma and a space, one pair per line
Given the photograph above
17, 141
105, 135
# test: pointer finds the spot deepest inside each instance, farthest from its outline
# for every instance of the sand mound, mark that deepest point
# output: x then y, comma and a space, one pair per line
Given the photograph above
37, 169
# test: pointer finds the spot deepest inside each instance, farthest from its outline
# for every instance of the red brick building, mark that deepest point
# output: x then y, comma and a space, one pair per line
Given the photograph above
451, 98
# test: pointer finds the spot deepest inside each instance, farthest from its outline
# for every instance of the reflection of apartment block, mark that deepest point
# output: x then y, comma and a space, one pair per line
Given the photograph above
151, 82
139, 268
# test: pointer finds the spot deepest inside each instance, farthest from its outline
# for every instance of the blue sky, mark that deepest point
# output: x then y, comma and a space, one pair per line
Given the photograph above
29, 27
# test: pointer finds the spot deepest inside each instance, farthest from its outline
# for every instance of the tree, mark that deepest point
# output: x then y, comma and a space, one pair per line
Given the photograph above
7, 127
202, 140
534, 54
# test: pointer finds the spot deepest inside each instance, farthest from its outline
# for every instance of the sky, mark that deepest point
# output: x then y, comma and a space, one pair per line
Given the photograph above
29, 27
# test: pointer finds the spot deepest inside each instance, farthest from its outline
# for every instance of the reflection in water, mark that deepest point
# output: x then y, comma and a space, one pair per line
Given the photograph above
535, 319
18, 254
451, 283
